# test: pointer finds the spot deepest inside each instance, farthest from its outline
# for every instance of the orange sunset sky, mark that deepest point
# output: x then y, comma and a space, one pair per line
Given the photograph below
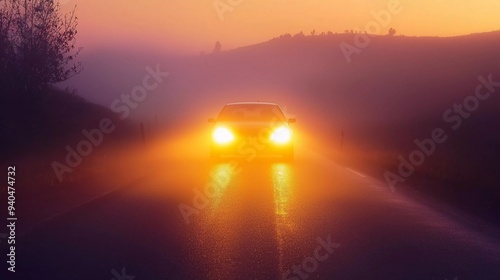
191, 26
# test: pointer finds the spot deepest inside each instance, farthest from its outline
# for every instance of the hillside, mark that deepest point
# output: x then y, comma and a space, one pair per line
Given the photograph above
415, 79
50, 121
38, 132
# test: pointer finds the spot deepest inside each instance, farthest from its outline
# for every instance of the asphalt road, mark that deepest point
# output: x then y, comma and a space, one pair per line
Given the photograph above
310, 219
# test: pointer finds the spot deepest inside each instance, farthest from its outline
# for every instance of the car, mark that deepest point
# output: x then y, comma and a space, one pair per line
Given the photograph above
250, 129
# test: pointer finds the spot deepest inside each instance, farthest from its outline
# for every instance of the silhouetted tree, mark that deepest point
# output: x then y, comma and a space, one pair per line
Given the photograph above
313, 32
392, 32
299, 35
217, 47
37, 45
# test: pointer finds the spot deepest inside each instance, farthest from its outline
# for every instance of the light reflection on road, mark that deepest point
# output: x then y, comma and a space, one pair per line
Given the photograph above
283, 190
244, 199
282, 186
221, 176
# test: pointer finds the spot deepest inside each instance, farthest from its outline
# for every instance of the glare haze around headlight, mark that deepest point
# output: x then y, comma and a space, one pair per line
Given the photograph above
222, 135
282, 135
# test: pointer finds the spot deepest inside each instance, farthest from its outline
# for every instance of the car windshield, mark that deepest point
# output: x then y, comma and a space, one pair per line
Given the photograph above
251, 113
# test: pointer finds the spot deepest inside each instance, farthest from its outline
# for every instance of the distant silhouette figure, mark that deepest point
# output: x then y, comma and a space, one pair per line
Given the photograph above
217, 48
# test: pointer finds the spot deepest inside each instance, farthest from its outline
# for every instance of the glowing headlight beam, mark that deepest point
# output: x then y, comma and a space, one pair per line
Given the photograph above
222, 135
282, 135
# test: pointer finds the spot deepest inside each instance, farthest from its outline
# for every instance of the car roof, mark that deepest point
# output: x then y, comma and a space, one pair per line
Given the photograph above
252, 103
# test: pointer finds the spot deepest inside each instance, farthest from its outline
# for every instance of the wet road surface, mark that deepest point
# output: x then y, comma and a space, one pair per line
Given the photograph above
309, 219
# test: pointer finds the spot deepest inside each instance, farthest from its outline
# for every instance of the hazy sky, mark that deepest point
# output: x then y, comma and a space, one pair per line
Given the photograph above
191, 26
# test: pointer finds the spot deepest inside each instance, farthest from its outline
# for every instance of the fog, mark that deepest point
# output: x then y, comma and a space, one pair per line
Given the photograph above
393, 81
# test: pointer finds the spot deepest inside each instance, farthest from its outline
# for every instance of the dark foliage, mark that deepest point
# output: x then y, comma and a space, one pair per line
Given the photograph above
37, 47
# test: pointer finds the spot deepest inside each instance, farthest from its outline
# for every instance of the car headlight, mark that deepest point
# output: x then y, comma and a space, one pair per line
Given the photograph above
282, 135
222, 135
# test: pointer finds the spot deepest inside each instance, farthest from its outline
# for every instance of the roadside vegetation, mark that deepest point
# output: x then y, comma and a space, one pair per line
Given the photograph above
38, 50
